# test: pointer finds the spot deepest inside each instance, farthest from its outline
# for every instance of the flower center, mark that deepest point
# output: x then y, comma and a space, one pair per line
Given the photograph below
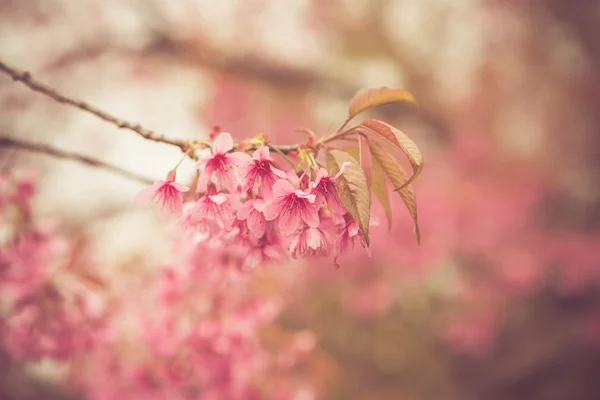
218, 162
263, 166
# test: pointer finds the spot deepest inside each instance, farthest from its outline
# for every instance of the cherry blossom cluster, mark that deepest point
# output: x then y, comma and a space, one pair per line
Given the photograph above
197, 336
36, 318
267, 213
190, 330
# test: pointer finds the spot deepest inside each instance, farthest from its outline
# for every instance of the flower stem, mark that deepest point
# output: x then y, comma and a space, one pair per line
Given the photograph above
282, 154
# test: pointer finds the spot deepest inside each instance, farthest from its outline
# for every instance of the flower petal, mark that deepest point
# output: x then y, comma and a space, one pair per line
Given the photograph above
227, 179
294, 244
352, 229
278, 172
271, 211
219, 198
266, 186
338, 219
244, 169
313, 238
289, 221
225, 212
262, 153
310, 215
222, 144
238, 159
245, 210
341, 171
282, 188
305, 195
256, 224
334, 203
201, 164
203, 180
259, 205
341, 242
146, 195
321, 173
170, 200
179, 187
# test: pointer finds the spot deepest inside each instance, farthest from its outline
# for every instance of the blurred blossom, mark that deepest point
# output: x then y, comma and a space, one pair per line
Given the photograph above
122, 302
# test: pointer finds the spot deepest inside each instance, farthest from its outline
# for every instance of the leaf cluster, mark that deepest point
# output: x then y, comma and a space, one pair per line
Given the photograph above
374, 162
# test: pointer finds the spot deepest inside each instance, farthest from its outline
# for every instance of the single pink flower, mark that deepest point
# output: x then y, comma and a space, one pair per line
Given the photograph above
310, 242
214, 208
260, 174
292, 207
220, 164
323, 187
252, 212
348, 236
24, 189
168, 195
336, 220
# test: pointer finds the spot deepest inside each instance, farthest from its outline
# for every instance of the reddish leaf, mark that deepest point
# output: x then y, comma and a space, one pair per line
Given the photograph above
378, 185
373, 97
379, 188
365, 159
398, 177
397, 139
352, 188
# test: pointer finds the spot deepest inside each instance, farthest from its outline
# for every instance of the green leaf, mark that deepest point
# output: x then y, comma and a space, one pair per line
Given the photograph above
373, 97
352, 188
397, 139
398, 177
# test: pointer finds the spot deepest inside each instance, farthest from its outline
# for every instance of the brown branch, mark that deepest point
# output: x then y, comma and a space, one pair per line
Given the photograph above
51, 151
26, 78
283, 148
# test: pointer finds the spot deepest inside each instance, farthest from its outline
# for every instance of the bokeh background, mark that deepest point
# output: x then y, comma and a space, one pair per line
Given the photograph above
500, 300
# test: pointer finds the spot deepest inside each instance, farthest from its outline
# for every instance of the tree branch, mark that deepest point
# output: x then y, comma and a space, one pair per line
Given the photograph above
26, 78
51, 151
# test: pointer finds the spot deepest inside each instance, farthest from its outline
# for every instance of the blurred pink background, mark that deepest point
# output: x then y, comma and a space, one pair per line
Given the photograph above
500, 301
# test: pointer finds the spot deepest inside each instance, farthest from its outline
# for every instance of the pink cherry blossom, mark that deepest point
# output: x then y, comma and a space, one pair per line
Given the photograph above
291, 206
323, 187
310, 242
220, 164
52, 330
349, 234
266, 253
260, 174
214, 208
168, 194
252, 212
24, 187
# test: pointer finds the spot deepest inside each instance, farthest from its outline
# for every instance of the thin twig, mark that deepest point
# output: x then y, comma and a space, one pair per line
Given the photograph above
284, 148
282, 154
337, 135
51, 151
26, 78
346, 122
